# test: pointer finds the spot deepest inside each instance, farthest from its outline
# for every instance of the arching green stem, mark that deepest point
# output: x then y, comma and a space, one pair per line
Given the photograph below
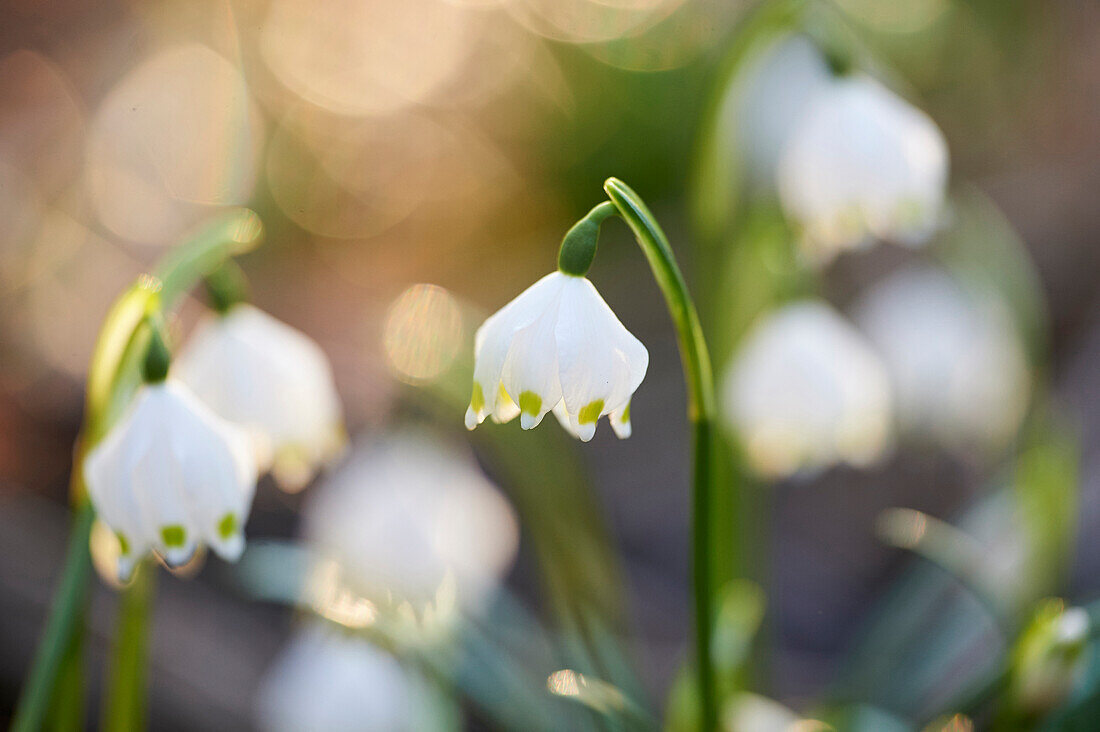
701, 413
114, 374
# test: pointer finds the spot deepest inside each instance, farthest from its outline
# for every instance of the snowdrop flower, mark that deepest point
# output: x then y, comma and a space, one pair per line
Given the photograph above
260, 373
862, 163
170, 475
957, 363
806, 391
407, 515
326, 680
557, 346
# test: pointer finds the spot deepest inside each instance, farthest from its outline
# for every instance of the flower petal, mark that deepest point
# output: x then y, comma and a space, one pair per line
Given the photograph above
260, 373
531, 369
600, 363
620, 422
493, 341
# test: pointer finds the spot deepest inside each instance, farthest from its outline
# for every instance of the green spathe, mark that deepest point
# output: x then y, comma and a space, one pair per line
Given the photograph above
154, 368
578, 247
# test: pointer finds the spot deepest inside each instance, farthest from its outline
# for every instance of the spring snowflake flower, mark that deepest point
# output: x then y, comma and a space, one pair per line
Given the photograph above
408, 514
170, 475
260, 373
806, 391
863, 164
957, 362
557, 346
325, 679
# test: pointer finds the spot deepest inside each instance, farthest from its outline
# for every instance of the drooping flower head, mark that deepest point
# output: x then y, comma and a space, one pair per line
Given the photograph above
806, 391
273, 380
863, 163
558, 346
172, 475
408, 514
957, 362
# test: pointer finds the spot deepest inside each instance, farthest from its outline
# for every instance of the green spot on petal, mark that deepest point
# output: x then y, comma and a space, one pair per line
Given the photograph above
477, 398
173, 535
590, 412
530, 403
227, 527
123, 542
626, 414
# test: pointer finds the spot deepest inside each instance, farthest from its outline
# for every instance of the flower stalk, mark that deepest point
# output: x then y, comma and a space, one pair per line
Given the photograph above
62, 627
126, 706
701, 414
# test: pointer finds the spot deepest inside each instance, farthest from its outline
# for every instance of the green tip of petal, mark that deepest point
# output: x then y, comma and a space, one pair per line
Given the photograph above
590, 412
123, 542
227, 527
626, 414
173, 535
530, 403
477, 398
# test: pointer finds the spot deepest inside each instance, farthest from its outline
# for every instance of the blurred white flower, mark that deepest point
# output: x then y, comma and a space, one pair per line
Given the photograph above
170, 475
407, 515
806, 391
273, 380
557, 343
862, 163
326, 680
771, 98
958, 365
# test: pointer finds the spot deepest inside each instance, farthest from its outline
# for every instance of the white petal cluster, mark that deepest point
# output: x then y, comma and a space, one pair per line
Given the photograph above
327, 680
407, 513
275, 381
806, 391
863, 163
958, 366
557, 346
171, 475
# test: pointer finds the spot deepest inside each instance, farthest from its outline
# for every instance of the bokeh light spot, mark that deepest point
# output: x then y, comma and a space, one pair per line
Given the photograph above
359, 58
423, 333
178, 133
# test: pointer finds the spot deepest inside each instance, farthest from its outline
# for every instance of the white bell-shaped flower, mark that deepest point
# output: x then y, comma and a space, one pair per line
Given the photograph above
325, 679
407, 516
805, 391
171, 475
556, 346
863, 164
959, 370
260, 373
